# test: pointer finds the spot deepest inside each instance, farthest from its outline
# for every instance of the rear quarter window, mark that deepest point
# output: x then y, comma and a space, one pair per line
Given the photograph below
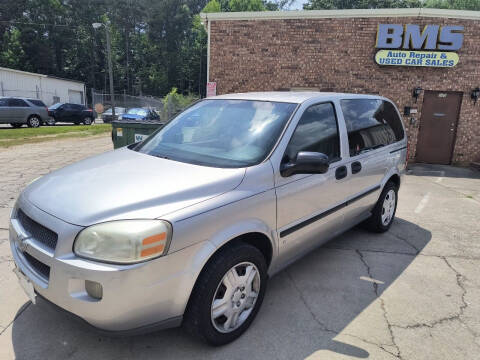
371, 123
37, 103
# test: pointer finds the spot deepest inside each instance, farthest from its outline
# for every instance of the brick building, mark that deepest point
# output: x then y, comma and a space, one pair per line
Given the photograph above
338, 50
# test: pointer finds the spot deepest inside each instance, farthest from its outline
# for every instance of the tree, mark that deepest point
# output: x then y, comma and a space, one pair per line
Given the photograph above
246, 5
212, 6
453, 4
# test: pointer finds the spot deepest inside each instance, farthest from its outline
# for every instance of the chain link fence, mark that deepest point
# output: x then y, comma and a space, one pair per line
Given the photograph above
165, 107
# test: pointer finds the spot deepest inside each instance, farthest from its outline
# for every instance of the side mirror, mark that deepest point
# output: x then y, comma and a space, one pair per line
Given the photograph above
306, 162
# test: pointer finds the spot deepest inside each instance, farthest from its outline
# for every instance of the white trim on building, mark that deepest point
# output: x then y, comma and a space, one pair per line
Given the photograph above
319, 14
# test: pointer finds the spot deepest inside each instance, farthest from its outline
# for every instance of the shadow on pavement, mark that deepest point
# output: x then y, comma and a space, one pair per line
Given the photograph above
432, 170
305, 307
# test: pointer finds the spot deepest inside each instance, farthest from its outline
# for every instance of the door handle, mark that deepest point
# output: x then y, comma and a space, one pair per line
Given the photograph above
356, 167
341, 172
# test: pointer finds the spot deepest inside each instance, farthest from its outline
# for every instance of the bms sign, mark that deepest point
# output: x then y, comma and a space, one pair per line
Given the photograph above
409, 45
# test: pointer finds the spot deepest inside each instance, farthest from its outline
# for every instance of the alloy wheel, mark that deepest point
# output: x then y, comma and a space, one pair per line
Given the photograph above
388, 208
235, 297
34, 122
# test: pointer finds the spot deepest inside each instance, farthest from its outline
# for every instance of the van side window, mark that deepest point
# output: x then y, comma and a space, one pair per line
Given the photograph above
371, 123
316, 131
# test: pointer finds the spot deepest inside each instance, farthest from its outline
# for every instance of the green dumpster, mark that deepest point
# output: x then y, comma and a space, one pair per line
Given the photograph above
126, 132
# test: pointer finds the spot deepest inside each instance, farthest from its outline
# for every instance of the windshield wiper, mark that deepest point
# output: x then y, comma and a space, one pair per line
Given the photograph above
161, 156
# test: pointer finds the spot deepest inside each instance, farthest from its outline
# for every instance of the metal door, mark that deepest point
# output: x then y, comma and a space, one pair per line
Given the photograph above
438, 125
310, 207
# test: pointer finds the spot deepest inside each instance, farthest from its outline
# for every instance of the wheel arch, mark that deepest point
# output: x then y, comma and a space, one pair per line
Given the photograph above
256, 238
34, 114
395, 178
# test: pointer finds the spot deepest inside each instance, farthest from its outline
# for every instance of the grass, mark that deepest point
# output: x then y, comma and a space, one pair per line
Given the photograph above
11, 137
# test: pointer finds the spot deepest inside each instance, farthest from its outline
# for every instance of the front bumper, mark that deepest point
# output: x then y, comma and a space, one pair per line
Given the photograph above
134, 296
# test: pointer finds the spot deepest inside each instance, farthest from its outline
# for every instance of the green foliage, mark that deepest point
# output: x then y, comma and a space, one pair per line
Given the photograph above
174, 102
212, 6
246, 5
453, 4
156, 44
11, 137
12, 55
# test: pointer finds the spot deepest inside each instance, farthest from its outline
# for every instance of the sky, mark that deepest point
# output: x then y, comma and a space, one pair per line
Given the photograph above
298, 4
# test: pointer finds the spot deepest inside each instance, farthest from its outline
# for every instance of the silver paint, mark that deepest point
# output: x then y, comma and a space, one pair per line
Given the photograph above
207, 207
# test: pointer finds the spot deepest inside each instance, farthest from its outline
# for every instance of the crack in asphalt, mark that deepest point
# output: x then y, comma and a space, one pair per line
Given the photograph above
304, 301
368, 250
20, 312
417, 250
457, 316
324, 327
459, 279
384, 310
400, 252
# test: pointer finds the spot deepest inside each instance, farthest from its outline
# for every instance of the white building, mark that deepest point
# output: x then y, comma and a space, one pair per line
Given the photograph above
44, 87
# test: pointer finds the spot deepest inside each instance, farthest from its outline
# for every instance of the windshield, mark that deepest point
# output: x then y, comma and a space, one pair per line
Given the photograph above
118, 110
55, 106
135, 111
221, 133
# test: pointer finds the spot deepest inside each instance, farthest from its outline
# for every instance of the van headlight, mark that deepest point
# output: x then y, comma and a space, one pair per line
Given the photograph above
124, 241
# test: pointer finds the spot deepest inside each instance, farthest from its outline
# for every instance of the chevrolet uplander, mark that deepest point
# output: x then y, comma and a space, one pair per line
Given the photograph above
196, 217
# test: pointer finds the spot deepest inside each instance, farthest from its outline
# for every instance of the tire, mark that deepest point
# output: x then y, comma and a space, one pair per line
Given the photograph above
16, 125
384, 211
87, 120
34, 121
211, 286
50, 122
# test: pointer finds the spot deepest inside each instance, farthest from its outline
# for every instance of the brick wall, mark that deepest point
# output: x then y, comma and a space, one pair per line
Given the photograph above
338, 55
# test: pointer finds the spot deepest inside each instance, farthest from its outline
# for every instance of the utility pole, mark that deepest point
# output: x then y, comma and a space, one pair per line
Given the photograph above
110, 68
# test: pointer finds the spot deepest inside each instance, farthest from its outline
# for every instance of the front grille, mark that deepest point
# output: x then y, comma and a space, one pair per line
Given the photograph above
37, 231
38, 266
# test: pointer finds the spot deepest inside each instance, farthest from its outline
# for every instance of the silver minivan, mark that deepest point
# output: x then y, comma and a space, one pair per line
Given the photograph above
195, 218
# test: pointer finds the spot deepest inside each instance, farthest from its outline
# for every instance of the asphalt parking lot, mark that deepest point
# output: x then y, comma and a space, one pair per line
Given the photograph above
411, 293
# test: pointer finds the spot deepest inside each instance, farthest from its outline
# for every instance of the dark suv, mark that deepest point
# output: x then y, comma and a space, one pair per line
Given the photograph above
72, 113
18, 111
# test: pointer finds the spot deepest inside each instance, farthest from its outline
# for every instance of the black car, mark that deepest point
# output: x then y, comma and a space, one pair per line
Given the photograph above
72, 113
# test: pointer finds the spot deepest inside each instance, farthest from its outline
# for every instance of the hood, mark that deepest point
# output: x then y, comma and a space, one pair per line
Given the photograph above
133, 116
125, 184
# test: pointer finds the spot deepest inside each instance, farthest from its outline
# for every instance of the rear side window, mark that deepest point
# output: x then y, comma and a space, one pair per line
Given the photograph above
316, 131
371, 123
17, 103
37, 102
3, 102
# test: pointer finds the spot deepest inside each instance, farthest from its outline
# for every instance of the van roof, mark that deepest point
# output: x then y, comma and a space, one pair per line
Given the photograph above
292, 96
